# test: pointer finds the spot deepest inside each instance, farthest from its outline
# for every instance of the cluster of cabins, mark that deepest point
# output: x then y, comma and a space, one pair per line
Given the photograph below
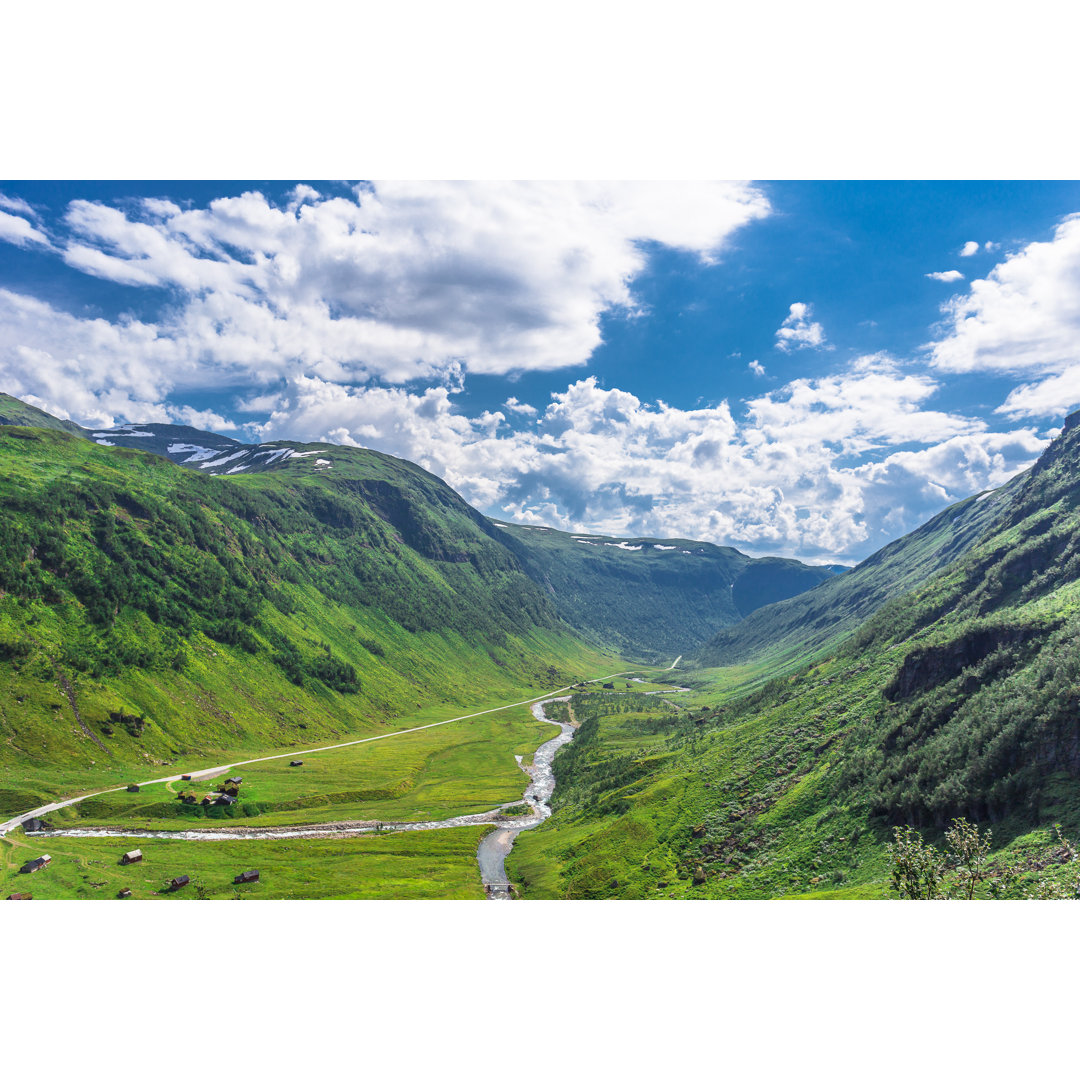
226, 795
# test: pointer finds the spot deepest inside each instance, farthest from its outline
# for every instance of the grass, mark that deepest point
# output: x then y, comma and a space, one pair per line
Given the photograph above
460, 768
440, 864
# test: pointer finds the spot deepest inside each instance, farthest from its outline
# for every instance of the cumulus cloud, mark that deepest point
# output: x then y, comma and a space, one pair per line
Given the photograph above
946, 275
18, 231
757, 367
400, 281
785, 479
969, 249
520, 407
797, 331
1022, 319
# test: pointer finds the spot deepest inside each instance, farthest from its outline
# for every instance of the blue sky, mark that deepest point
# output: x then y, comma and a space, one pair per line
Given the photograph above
798, 368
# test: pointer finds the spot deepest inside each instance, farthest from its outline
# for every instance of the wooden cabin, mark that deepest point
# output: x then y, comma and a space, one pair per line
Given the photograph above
235, 781
34, 865
131, 856
123, 894
21, 896
209, 798
245, 877
609, 686
34, 824
133, 787
179, 882
190, 798
293, 764
225, 800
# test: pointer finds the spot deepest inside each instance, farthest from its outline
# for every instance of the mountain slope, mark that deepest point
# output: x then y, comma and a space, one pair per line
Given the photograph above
20, 413
147, 610
814, 621
652, 598
959, 697
645, 597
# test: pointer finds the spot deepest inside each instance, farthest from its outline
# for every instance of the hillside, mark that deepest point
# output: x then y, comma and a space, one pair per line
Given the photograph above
959, 697
647, 598
652, 598
149, 612
815, 621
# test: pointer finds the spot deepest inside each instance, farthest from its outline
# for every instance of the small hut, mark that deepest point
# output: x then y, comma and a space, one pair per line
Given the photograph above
186, 776
235, 781
245, 877
190, 798
34, 824
131, 856
34, 865
225, 800
209, 798
123, 894
179, 882
133, 787
21, 896
293, 764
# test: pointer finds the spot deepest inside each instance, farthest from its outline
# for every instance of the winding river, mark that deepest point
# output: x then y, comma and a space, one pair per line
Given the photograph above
493, 848
491, 855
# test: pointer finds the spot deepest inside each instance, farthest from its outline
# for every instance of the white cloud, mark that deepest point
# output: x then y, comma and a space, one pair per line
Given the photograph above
18, 231
20, 206
797, 331
757, 367
787, 479
403, 281
519, 407
969, 249
946, 275
1022, 319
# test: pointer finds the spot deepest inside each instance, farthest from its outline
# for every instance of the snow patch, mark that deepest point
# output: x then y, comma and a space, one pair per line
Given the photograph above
104, 442
275, 454
198, 453
224, 460
624, 546
985, 495
128, 434
589, 542
498, 526
306, 453
664, 547
238, 468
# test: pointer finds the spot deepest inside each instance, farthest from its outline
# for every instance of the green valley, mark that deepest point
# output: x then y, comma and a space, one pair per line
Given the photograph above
157, 618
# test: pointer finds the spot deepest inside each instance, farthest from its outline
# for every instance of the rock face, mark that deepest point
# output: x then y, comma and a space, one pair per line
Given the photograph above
939, 664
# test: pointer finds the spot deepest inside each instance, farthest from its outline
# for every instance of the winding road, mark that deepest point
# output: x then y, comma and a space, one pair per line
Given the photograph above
12, 823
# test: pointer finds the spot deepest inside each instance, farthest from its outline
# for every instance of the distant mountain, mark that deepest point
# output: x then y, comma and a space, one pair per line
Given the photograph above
807, 624
651, 597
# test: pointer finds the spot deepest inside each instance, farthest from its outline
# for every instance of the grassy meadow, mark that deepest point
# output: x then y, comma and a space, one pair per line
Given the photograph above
440, 864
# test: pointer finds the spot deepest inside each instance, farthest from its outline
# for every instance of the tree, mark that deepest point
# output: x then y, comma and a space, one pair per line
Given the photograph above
968, 854
917, 868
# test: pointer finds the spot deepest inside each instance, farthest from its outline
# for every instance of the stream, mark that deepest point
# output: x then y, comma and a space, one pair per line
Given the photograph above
493, 848
491, 855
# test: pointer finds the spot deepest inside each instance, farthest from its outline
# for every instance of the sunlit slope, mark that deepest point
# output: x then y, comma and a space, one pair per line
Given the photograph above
791, 630
652, 598
149, 612
960, 697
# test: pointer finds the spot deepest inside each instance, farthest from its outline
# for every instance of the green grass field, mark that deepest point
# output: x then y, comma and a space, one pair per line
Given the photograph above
440, 864
461, 768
